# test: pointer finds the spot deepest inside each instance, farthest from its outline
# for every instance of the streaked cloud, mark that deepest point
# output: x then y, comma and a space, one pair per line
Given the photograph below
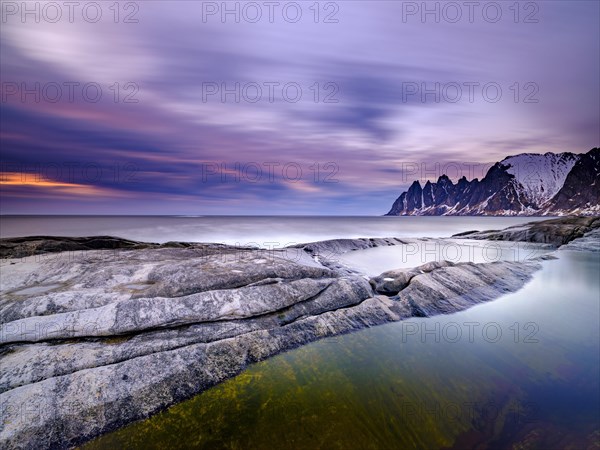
155, 151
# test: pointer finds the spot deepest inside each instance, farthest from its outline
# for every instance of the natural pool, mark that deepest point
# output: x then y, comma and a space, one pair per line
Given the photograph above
374, 261
521, 372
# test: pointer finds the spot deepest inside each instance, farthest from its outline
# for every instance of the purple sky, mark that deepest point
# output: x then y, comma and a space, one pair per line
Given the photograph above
182, 149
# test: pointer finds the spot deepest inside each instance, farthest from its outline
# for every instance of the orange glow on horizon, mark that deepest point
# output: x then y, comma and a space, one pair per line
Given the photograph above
24, 179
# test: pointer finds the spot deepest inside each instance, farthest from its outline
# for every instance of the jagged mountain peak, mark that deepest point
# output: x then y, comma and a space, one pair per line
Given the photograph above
444, 179
541, 176
522, 184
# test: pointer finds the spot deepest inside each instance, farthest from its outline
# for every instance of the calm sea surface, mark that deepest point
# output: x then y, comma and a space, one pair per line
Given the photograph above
262, 231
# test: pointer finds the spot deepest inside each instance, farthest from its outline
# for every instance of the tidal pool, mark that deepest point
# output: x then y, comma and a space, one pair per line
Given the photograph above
374, 261
37, 290
521, 372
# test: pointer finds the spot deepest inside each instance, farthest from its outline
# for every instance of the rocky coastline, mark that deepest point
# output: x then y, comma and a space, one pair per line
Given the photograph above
98, 332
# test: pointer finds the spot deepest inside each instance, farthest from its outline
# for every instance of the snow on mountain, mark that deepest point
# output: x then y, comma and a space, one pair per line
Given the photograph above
526, 184
541, 176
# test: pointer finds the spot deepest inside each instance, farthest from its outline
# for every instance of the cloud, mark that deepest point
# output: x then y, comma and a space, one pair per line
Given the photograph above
154, 152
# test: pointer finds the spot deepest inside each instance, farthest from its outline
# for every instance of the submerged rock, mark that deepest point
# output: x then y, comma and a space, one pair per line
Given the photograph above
87, 371
92, 341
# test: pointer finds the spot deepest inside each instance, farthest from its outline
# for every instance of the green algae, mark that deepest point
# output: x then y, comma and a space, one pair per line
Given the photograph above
385, 388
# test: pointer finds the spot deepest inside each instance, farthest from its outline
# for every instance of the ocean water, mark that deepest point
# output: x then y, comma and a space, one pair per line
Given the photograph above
262, 231
521, 372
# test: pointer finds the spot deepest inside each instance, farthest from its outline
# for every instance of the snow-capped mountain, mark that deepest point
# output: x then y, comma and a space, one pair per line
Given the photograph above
525, 184
541, 176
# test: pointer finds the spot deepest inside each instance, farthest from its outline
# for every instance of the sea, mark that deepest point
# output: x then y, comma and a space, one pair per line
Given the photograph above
519, 372
261, 231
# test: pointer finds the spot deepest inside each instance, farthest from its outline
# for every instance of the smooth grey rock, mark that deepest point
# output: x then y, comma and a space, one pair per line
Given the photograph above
30, 363
98, 278
589, 242
454, 288
21, 247
555, 232
393, 281
139, 314
58, 394
333, 247
102, 341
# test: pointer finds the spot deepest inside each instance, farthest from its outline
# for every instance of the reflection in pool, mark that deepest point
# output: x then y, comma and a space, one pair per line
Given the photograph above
374, 261
518, 373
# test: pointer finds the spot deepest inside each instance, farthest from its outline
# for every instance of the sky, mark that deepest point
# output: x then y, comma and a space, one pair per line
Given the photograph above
268, 108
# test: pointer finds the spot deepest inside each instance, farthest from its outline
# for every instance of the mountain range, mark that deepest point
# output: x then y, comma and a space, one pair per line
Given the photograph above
527, 184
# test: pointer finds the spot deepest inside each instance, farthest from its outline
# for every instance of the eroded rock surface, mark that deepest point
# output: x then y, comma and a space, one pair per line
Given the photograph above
92, 340
556, 232
21, 247
590, 241
393, 281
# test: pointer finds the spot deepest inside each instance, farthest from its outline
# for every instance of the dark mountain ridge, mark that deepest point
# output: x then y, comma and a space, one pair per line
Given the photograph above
527, 184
